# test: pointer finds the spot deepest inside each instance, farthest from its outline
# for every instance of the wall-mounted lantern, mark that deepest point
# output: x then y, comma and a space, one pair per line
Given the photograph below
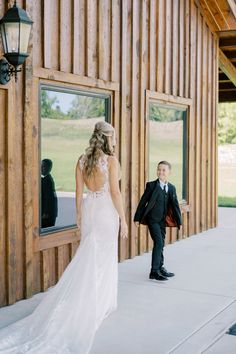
15, 27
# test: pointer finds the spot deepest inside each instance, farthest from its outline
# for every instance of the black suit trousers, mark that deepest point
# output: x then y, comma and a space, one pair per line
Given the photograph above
158, 232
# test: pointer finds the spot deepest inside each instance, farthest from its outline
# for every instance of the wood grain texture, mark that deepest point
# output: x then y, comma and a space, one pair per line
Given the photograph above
135, 51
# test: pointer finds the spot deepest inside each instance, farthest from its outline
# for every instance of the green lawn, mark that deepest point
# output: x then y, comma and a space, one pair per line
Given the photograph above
63, 141
227, 202
166, 144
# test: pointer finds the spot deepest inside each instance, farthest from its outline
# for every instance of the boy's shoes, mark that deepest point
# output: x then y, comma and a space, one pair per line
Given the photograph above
165, 273
157, 276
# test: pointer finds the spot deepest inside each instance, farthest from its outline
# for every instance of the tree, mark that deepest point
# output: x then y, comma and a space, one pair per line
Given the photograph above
47, 107
86, 107
227, 123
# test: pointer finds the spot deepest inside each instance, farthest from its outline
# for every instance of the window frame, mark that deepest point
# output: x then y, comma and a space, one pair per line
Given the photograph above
166, 100
58, 79
74, 91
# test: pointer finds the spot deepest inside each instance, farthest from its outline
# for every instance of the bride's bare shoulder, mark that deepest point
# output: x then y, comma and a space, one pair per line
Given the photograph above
80, 161
113, 161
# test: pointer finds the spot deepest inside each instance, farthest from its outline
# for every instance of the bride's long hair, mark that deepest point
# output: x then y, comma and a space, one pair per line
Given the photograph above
97, 143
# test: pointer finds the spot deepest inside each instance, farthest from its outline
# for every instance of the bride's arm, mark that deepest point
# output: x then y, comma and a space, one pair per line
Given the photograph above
114, 171
79, 192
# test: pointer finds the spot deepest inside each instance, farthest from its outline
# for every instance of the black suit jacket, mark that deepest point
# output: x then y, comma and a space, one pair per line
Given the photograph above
149, 197
48, 197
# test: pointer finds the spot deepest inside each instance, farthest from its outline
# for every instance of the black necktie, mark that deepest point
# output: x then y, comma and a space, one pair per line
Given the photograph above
165, 188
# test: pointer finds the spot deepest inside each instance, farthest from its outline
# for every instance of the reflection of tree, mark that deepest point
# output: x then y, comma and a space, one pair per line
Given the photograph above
86, 107
164, 114
227, 123
47, 107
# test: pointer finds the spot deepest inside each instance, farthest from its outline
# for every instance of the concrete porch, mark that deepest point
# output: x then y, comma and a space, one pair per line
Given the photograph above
188, 314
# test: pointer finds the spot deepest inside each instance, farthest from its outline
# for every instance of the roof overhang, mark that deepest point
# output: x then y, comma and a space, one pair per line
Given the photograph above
220, 16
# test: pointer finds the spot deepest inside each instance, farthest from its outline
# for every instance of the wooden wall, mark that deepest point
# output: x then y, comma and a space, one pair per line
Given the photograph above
133, 50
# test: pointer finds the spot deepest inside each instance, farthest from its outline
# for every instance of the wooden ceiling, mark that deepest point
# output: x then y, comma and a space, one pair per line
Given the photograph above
221, 18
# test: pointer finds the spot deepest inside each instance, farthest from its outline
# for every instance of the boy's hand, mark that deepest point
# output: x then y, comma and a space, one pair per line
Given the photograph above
136, 223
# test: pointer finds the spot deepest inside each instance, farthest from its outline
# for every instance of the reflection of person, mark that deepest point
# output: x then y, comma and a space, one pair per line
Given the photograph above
68, 316
49, 208
158, 196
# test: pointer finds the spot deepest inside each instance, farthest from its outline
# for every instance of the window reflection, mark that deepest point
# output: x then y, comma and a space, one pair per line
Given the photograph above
167, 141
67, 122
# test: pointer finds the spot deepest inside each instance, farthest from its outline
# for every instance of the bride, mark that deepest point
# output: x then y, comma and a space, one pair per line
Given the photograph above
66, 320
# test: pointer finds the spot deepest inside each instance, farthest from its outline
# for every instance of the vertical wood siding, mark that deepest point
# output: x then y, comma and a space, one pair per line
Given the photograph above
164, 46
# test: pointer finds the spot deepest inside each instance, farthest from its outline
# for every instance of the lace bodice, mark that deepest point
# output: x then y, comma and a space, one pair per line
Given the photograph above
103, 165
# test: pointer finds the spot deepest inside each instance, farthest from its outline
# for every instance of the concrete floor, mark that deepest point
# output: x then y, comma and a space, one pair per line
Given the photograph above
188, 314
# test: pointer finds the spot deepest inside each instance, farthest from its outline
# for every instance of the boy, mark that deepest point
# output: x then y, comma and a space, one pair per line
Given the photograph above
158, 196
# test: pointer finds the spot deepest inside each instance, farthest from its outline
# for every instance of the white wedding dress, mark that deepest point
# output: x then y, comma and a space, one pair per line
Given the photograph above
66, 319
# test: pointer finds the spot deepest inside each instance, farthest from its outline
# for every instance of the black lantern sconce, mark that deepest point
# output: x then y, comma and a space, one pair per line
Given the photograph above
15, 27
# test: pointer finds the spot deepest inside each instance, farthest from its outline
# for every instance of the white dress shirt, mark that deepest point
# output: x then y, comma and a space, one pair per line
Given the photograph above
162, 184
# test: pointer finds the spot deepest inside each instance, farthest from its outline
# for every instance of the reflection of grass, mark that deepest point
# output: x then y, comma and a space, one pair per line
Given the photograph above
227, 201
63, 142
164, 146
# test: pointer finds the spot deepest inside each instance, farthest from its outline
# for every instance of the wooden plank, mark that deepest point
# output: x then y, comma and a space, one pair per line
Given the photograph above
57, 76
78, 56
197, 120
168, 47
55, 35
161, 45
174, 234
38, 53
232, 6
59, 261
37, 275
124, 243
3, 200
56, 239
152, 44
208, 132
11, 262
216, 53
141, 72
115, 39
175, 47
192, 117
44, 270
91, 37
29, 131
169, 98
47, 33
149, 242
203, 130
73, 248
168, 236
104, 55
181, 49
145, 81
186, 49
65, 36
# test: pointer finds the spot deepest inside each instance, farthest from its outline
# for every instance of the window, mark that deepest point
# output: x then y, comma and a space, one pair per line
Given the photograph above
67, 121
167, 141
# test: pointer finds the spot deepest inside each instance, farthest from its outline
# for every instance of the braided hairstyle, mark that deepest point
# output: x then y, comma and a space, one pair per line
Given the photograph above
98, 143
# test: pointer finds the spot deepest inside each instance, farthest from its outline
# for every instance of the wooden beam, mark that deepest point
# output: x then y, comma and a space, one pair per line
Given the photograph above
226, 34
227, 67
55, 75
232, 6
227, 43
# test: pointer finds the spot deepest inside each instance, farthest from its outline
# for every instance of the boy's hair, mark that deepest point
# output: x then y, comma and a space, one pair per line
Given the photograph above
164, 163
